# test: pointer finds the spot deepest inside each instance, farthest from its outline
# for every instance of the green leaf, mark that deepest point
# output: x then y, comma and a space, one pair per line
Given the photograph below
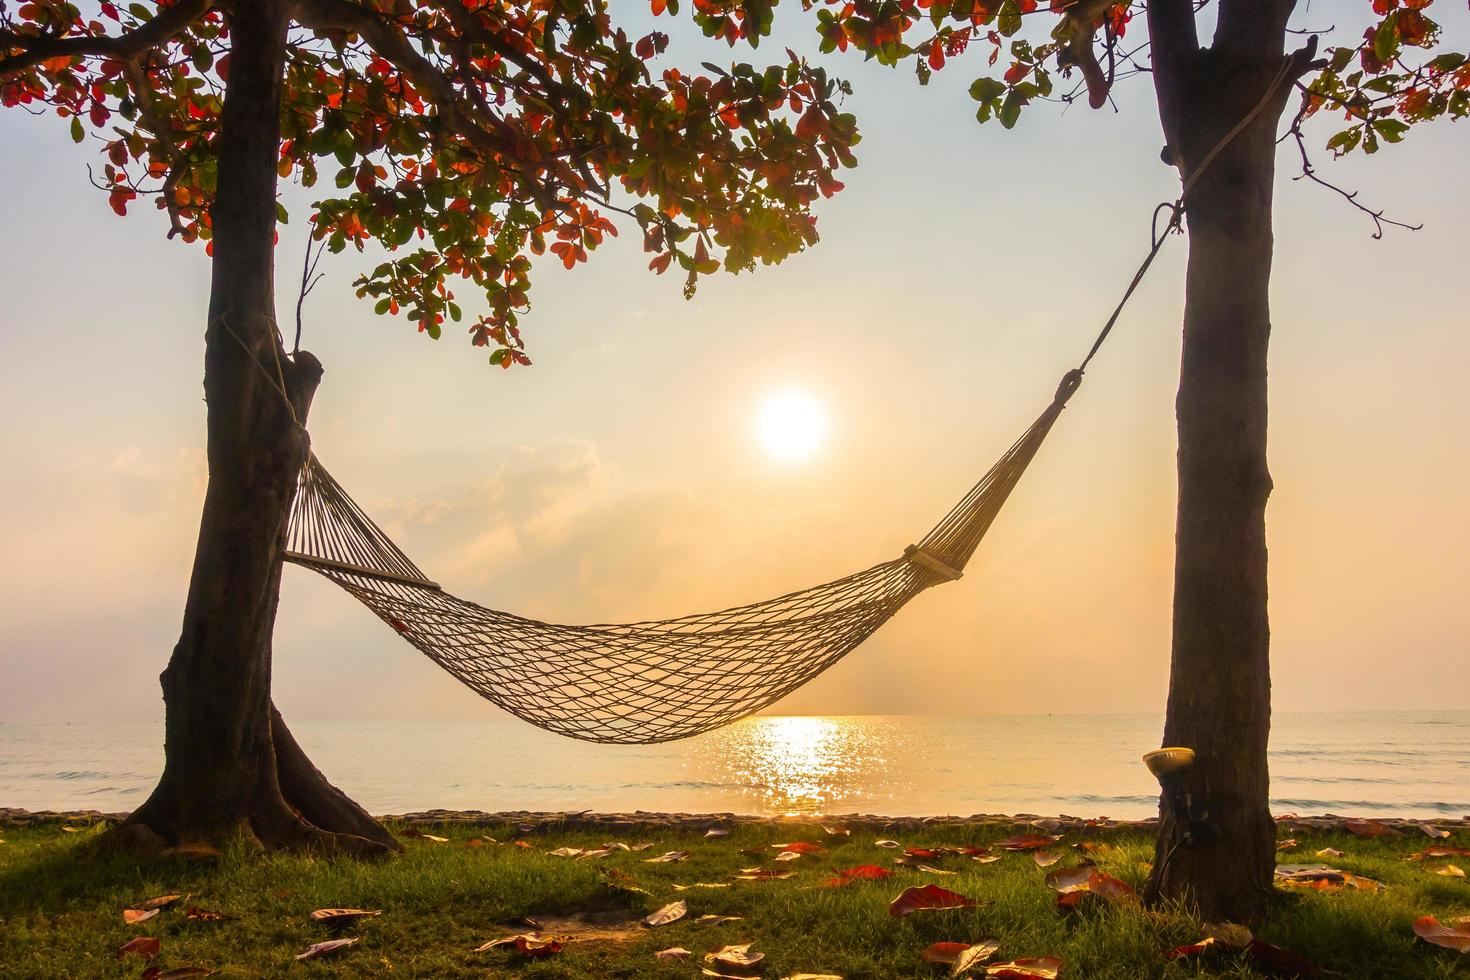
77, 132
1009, 21
1010, 110
1392, 130
985, 89
1386, 38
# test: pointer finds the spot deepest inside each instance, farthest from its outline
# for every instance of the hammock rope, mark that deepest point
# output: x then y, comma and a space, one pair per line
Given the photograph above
662, 680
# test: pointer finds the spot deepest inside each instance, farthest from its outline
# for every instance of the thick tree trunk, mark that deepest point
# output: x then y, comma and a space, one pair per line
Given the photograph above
231, 765
1219, 684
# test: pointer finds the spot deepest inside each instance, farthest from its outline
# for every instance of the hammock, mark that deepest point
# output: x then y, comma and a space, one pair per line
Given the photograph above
652, 681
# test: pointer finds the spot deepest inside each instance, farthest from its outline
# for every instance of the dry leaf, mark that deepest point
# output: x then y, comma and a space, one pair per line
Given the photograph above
762, 874
144, 946
196, 914
702, 884
526, 944
672, 953
1369, 828
72, 830
1281, 962
1205, 945
1026, 842
135, 916
916, 899
1045, 859
1329, 852
887, 843
717, 920
788, 856
340, 917
735, 957
1067, 880
566, 852
1040, 968
600, 852
1451, 871
1430, 830
672, 912
161, 902
832, 831
811, 976
436, 840
973, 957
327, 948
175, 973
717, 832
986, 858
666, 857
1286, 845
1431, 930
1230, 934
944, 954
936, 871
641, 847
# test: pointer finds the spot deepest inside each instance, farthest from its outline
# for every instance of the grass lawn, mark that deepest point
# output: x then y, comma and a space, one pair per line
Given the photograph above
61, 908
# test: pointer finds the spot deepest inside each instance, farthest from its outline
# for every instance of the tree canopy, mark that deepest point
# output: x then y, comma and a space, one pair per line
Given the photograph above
465, 138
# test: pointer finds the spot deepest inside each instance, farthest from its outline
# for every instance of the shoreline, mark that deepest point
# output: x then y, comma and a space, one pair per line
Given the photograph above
530, 821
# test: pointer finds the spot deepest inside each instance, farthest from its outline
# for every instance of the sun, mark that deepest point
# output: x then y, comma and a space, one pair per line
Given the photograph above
791, 425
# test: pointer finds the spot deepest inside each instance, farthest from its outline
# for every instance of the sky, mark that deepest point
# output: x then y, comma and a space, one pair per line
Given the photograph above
623, 476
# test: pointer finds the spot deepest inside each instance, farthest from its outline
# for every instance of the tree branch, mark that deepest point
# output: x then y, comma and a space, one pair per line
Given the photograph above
34, 50
1174, 42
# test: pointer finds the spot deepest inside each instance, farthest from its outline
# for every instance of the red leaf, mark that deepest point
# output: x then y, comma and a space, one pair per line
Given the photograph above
1281, 962
936, 56
944, 953
144, 946
1431, 930
1026, 842
917, 899
811, 123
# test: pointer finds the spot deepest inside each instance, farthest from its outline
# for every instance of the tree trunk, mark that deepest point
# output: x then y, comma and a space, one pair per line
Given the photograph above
231, 765
1219, 683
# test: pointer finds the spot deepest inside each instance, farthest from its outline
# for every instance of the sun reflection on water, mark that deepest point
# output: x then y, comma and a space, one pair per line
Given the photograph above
799, 764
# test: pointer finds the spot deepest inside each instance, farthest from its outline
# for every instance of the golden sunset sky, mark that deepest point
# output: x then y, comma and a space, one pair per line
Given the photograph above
964, 269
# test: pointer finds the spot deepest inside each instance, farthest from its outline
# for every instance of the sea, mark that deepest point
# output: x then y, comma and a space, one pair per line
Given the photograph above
1374, 764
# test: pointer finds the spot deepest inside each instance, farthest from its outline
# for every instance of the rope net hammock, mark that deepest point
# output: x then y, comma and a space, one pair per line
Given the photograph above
651, 681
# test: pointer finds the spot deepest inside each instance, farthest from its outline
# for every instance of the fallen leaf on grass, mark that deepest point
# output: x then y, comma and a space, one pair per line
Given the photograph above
887, 843
1067, 880
961, 957
1045, 859
666, 857
986, 858
566, 852
640, 847
593, 855
1286, 845
788, 856
800, 847
1039, 968
717, 920
836, 831
523, 843
740, 958
175, 973
811, 976
672, 912
1072, 884
341, 917
1205, 945
863, 872
1369, 828
1230, 934
762, 874
316, 950
144, 946
920, 852
196, 914
717, 832
435, 839
1096, 847
1456, 937
161, 902
930, 869
525, 944
72, 830
702, 884
672, 953
1281, 962
926, 898
135, 916
1451, 871
1329, 852
1026, 842
1430, 830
